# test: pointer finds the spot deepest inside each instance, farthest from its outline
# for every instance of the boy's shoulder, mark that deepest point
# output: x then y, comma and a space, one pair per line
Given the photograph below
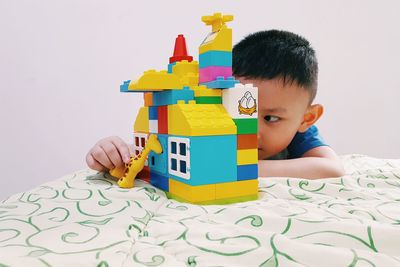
301, 143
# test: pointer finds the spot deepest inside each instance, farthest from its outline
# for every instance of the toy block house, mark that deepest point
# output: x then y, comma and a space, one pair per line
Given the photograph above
205, 121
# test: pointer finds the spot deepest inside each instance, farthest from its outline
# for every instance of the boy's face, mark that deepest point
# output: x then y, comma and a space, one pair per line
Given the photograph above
281, 110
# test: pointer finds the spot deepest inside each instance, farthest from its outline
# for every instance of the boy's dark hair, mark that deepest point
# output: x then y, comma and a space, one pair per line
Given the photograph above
277, 54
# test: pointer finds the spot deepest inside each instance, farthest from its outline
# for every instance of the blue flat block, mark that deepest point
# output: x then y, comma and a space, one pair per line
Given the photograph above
221, 83
213, 159
170, 97
215, 58
124, 87
247, 172
159, 162
170, 65
159, 181
153, 113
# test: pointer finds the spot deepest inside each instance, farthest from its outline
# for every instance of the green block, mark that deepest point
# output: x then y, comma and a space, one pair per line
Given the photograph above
208, 100
246, 126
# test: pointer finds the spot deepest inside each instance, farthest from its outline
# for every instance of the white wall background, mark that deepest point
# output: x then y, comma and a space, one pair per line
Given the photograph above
61, 63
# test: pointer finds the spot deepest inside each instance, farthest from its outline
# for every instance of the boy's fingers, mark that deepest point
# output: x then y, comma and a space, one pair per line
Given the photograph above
101, 157
112, 153
123, 149
93, 164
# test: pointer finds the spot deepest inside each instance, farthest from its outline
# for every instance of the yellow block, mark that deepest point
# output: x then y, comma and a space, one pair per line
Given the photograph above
220, 41
247, 156
188, 72
236, 189
153, 80
190, 193
199, 119
202, 90
142, 121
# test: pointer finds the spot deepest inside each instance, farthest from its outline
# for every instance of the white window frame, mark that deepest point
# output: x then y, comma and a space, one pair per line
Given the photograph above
138, 149
178, 157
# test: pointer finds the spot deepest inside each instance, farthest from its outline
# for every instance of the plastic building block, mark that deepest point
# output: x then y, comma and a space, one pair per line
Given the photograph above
170, 97
198, 120
247, 156
170, 65
153, 80
124, 87
217, 201
208, 100
241, 101
188, 72
144, 174
148, 99
162, 119
246, 126
153, 113
215, 58
210, 74
202, 90
221, 83
158, 163
221, 37
153, 126
213, 159
136, 163
180, 51
193, 194
142, 121
247, 141
236, 189
159, 181
247, 172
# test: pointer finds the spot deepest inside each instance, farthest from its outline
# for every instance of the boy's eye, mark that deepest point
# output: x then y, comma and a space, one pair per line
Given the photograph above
270, 118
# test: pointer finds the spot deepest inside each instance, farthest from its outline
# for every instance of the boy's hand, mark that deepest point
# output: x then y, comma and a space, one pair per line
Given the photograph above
107, 154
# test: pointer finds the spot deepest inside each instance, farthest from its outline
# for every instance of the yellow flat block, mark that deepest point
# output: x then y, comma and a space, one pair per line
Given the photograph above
190, 193
153, 80
181, 68
202, 90
142, 121
236, 189
199, 120
247, 156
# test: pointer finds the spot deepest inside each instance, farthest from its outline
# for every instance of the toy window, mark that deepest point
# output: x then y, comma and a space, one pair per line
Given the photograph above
139, 142
179, 157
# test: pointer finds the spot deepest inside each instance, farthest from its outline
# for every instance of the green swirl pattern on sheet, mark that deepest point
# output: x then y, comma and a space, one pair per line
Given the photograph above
84, 219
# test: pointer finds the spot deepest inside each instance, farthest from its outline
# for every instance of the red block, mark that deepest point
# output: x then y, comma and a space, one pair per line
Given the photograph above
163, 119
180, 51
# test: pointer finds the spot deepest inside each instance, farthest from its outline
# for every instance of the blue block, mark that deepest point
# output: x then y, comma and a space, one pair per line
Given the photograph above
247, 172
159, 181
215, 58
159, 162
221, 83
124, 87
213, 159
170, 65
170, 97
153, 113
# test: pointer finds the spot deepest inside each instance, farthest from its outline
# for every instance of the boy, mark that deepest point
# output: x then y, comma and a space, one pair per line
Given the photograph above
284, 67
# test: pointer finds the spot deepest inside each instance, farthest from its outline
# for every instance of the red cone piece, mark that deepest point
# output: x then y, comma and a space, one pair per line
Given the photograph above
180, 52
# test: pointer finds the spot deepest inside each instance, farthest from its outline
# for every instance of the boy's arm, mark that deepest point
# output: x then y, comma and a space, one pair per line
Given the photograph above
319, 162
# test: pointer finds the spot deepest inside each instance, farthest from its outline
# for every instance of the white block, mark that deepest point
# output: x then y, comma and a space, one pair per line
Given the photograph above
153, 126
241, 101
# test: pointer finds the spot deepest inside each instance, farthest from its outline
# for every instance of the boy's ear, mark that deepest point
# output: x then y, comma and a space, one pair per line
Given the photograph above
313, 113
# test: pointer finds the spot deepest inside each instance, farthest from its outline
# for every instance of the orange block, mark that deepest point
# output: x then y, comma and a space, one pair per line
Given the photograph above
148, 99
247, 141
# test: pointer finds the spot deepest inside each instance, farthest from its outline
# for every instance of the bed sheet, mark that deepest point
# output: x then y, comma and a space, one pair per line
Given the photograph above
85, 219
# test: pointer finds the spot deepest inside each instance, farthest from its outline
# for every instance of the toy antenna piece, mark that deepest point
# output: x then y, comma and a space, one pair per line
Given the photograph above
217, 20
180, 51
